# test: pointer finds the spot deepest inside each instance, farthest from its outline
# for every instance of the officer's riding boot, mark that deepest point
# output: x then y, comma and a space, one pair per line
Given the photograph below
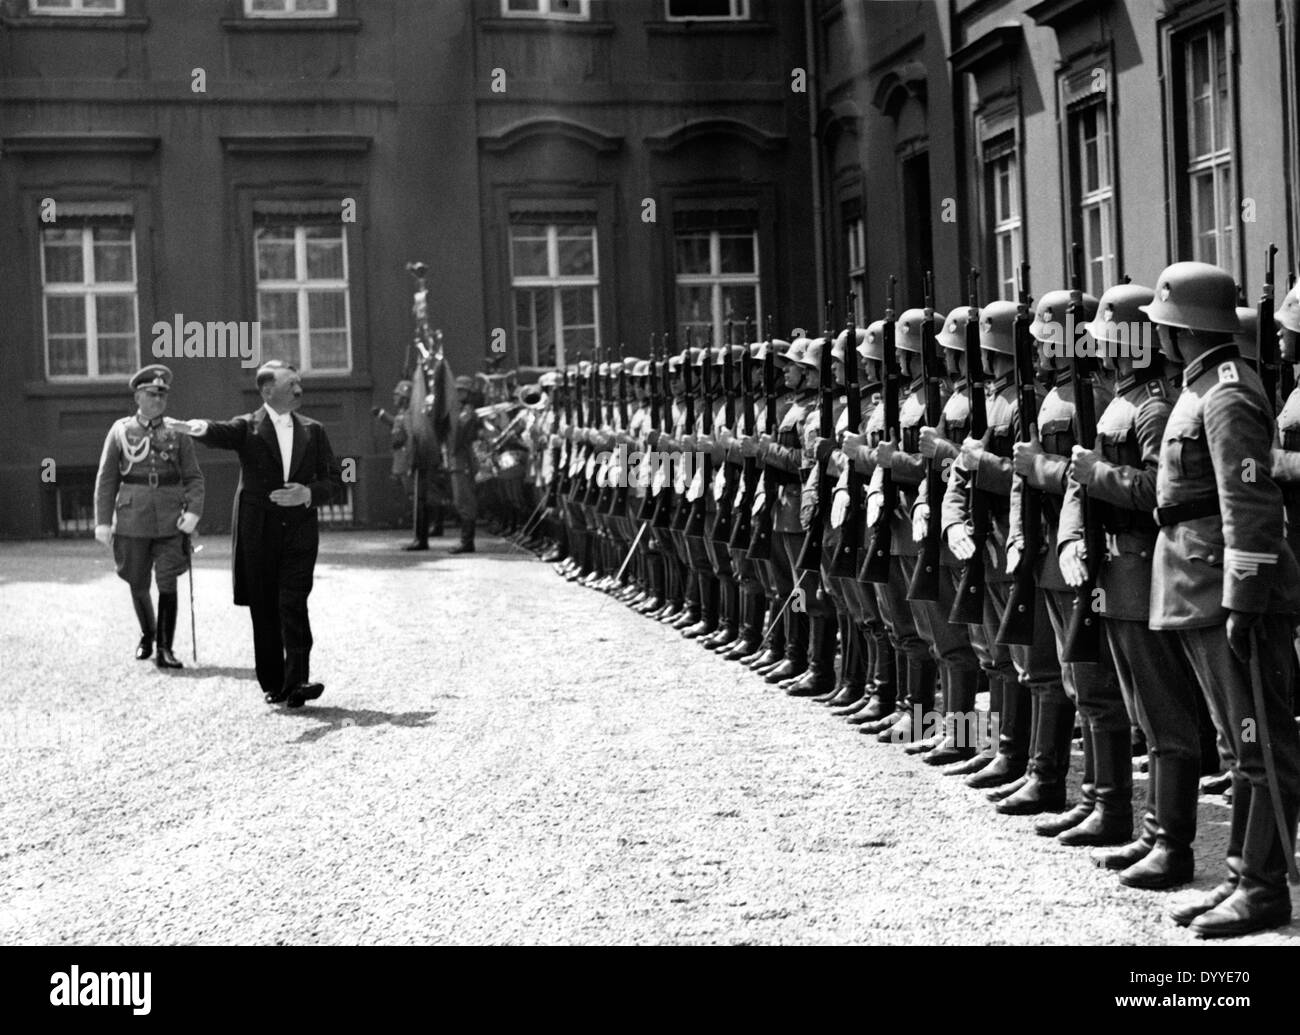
820, 676
864, 667
143, 604
1170, 862
1241, 792
166, 630
1058, 823
921, 676
881, 681
853, 678
708, 622
958, 743
466, 538
929, 739
1003, 790
1014, 733
1126, 855
1111, 822
437, 520
893, 700
1261, 899
985, 755
1044, 791
843, 639
690, 613
729, 617
750, 631
773, 653
795, 662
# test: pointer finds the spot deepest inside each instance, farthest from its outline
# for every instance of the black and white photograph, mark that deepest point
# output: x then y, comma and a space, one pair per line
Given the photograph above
626, 473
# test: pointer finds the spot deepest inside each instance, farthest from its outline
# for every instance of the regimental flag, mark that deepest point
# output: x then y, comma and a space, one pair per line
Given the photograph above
418, 423
444, 409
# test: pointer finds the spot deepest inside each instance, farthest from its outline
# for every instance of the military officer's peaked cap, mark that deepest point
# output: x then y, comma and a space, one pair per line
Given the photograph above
952, 335
837, 350
1288, 315
1196, 297
155, 375
1051, 308
997, 327
907, 333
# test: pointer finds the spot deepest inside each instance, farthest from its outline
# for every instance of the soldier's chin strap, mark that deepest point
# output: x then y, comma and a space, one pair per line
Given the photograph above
1286, 836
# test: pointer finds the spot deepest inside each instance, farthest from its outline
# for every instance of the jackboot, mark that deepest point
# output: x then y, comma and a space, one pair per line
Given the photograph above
958, 743
889, 699
1170, 862
750, 632
853, 673
820, 675
1126, 855
838, 683
795, 662
143, 604
1261, 899
1238, 818
466, 538
984, 757
1111, 821
1044, 791
166, 630
1015, 728
1059, 823
929, 739
921, 676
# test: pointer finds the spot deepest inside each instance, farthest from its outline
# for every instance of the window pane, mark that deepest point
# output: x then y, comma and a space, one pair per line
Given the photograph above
1003, 174
277, 311
1203, 216
1093, 248
67, 357
327, 310
577, 252
329, 350
275, 259
528, 255
700, 8
1089, 158
1222, 127
739, 301
523, 5
114, 314
695, 304
112, 251
63, 260
578, 341
737, 253
1227, 216
324, 254
116, 353
1198, 94
578, 306
280, 345
66, 315
693, 253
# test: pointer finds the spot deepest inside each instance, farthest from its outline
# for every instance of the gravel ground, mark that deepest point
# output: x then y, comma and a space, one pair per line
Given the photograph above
499, 757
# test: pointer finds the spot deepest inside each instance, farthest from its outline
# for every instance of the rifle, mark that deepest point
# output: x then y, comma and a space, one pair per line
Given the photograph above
573, 484
700, 507
968, 603
723, 519
810, 555
663, 512
688, 380
875, 565
742, 524
1018, 621
647, 510
617, 503
760, 543
926, 574
1083, 635
1269, 361
844, 564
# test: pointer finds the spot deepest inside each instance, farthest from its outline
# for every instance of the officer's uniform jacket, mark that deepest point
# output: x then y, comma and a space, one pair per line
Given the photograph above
1050, 474
1286, 471
1235, 557
1129, 435
148, 475
786, 458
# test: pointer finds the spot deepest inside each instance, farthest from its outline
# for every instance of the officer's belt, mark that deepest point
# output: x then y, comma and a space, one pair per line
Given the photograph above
152, 479
1177, 513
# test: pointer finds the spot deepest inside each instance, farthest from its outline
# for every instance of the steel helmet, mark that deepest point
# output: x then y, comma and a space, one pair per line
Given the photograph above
907, 331
1246, 339
812, 354
1120, 323
1195, 296
997, 327
1288, 314
1051, 310
953, 333
873, 346
794, 354
779, 347
841, 339
642, 368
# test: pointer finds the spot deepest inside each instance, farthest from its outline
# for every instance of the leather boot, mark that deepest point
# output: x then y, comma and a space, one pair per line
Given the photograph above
773, 651
750, 631
853, 672
1170, 862
1126, 855
843, 640
166, 630
891, 704
921, 676
143, 604
795, 662
1014, 733
820, 675
1261, 899
926, 741
959, 742
984, 757
1111, 822
1238, 818
1053, 824
1044, 791
466, 538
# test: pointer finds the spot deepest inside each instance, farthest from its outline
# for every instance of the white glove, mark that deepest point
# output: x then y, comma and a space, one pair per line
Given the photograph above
104, 534
1013, 559
874, 503
920, 521
960, 542
1074, 566
187, 523
839, 508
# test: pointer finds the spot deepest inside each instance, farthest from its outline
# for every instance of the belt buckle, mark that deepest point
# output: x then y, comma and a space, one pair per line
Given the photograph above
153, 479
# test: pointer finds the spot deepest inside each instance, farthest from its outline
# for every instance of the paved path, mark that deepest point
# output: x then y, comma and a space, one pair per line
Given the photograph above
499, 757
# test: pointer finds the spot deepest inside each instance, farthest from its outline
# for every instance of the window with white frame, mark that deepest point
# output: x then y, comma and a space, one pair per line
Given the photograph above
555, 281
88, 276
302, 294
76, 7
698, 10
1094, 195
855, 242
575, 10
1206, 124
717, 280
1002, 194
290, 8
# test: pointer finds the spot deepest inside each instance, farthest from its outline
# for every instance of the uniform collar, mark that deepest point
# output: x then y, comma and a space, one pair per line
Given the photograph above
1137, 378
959, 385
1218, 354
999, 383
1060, 377
152, 425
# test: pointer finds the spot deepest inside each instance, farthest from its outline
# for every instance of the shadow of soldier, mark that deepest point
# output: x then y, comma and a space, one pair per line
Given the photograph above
331, 719
197, 670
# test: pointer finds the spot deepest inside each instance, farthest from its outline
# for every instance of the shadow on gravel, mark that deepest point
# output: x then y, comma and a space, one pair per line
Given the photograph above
332, 719
210, 671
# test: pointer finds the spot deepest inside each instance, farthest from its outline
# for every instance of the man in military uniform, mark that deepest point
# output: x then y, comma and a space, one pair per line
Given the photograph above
148, 500
463, 463
1225, 579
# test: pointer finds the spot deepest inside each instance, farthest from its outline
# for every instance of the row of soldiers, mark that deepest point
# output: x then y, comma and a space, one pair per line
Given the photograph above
891, 519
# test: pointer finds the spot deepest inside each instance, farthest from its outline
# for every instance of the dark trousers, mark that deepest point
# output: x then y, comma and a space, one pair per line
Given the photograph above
1159, 687
279, 570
